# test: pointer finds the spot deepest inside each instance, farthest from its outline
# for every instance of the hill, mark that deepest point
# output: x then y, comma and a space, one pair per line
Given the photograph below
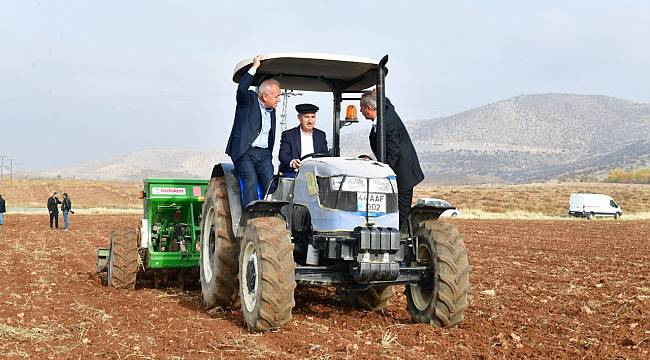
532, 138
164, 162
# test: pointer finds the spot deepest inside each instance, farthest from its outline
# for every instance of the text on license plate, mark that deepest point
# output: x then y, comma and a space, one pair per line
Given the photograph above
376, 204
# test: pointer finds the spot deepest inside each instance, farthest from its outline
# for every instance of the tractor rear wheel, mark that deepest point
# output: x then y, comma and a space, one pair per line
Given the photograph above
266, 274
372, 299
123, 259
218, 263
441, 299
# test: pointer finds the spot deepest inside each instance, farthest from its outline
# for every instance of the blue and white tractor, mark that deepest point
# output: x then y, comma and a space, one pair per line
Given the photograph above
335, 224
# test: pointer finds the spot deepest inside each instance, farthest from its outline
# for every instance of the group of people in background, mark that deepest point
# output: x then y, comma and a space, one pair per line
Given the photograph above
53, 203
250, 145
53, 208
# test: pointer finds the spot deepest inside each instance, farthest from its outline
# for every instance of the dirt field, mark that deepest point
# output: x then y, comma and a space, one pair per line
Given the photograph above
540, 289
84, 193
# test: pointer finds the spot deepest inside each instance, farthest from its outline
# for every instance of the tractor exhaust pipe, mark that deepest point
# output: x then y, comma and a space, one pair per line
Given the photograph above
381, 106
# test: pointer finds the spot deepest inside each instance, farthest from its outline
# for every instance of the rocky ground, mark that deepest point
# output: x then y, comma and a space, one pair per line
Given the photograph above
540, 289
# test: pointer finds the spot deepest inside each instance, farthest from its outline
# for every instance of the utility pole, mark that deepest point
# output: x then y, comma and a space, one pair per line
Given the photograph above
283, 115
18, 165
2, 165
11, 169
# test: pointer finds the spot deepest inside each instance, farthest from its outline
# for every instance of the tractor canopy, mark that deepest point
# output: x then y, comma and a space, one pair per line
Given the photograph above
313, 72
337, 74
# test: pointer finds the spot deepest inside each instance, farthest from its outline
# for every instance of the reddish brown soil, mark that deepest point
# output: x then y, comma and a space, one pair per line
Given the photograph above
540, 289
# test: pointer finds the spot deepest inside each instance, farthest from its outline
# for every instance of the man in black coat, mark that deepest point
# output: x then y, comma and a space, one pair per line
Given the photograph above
52, 206
253, 132
3, 209
400, 152
302, 140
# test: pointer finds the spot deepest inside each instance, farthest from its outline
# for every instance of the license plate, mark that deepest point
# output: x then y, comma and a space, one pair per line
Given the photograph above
376, 202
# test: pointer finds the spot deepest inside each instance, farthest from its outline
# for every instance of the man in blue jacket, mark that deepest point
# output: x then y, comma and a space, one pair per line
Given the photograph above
302, 140
253, 132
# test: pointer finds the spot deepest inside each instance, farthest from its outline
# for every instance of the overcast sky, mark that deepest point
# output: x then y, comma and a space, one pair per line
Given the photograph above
89, 80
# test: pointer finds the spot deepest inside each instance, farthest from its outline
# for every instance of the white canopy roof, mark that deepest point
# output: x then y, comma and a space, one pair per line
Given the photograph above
313, 72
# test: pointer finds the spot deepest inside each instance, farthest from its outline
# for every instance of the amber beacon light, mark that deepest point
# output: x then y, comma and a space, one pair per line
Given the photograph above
351, 114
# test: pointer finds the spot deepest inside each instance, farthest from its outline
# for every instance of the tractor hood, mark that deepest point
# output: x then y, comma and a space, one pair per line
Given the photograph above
335, 166
307, 192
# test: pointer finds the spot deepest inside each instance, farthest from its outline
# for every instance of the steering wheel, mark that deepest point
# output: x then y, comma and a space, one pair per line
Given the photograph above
314, 155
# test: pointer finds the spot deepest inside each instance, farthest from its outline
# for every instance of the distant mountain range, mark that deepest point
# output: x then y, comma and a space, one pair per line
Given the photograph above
523, 139
164, 162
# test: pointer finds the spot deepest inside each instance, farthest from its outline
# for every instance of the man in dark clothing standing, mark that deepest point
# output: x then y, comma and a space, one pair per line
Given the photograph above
3, 209
52, 206
66, 207
250, 144
400, 152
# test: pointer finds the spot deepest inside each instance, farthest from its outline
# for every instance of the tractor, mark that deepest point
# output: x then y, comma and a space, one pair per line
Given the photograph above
335, 224
163, 248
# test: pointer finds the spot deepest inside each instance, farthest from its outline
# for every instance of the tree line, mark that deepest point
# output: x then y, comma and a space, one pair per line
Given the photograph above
634, 176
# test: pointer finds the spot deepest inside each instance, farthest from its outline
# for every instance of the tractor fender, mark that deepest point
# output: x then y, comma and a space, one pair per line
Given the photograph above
262, 208
422, 212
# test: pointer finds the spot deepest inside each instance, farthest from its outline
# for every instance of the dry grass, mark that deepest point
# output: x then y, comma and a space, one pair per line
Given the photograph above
17, 333
535, 201
387, 339
524, 215
529, 201
238, 345
96, 314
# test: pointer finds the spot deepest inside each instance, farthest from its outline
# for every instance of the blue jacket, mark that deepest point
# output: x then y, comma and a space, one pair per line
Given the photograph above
290, 147
248, 121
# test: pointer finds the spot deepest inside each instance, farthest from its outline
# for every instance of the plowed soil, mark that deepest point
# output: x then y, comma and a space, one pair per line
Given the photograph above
540, 289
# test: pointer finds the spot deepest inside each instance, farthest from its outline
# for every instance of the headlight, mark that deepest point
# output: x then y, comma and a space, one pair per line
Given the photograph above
386, 186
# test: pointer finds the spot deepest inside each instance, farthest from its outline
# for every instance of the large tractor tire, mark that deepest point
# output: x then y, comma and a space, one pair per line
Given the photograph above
218, 263
442, 299
372, 299
123, 259
266, 274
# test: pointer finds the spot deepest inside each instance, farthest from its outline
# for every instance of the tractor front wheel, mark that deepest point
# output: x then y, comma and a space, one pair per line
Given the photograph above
123, 259
440, 299
266, 274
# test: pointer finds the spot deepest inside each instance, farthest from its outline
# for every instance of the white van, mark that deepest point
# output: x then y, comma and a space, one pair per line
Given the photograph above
592, 205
